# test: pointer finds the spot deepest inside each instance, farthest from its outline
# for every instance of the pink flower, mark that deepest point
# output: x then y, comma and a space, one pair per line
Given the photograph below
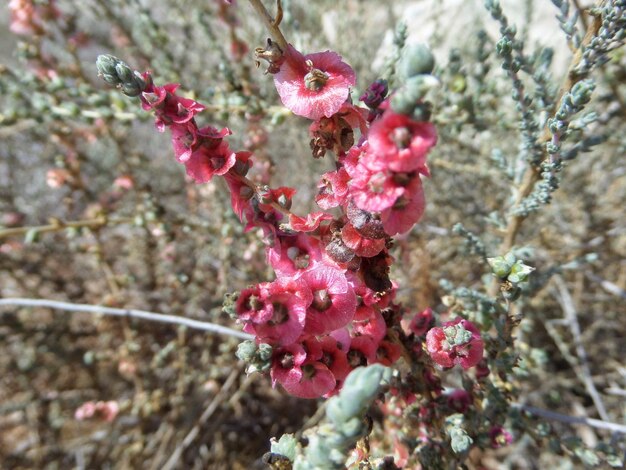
334, 300
369, 321
406, 211
57, 177
124, 182
300, 375
240, 197
388, 353
458, 400
187, 138
207, 162
105, 410
362, 351
500, 437
315, 85
294, 254
168, 107
373, 191
335, 357
482, 369
400, 144
421, 322
455, 342
333, 189
310, 223
275, 312
361, 245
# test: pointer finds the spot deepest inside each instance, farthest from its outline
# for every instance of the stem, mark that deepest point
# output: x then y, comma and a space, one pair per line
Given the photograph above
58, 225
129, 313
270, 23
594, 423
534, 174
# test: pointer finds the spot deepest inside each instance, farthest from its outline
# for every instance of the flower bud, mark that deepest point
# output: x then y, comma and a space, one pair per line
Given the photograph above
105, 64
124, 72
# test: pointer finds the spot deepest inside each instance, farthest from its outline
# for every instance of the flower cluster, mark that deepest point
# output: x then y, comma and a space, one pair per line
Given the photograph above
325, 312
203, 151
331, 307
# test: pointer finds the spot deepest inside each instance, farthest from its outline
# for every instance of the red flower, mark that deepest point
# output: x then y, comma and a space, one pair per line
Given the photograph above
275, 311
299, 374
388, 353
500, 437
294, 254
168, 107
400, 144
421, 322
406, 211
314, 85
333, 189
373, 191
361, 245
334, 300
458, 400
362, 351
455, 342
369, 321
310, 223
206, 162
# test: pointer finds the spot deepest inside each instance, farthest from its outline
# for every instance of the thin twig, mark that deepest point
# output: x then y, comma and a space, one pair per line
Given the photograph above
128, 313
174, 459
594, 423
57, 225
608, 286
270, 23
572, 320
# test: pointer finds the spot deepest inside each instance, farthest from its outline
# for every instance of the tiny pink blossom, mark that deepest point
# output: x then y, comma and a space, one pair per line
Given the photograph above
405, 212
125, 182
500, 437
169, 107
28, 17
57, 177
455, 342
458, 400
333, 189
334, 356
369, 321
388, 353
421, 322
361, 245
310, 223
314, 85
362, 351
105, 410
